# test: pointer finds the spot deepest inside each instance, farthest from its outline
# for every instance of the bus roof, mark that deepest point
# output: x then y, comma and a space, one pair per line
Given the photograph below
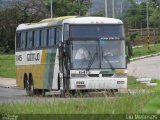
43, 23
70, 20
92, 20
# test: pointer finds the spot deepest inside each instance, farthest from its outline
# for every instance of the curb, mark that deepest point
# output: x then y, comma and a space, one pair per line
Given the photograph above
7, 83
142, 57
3, 86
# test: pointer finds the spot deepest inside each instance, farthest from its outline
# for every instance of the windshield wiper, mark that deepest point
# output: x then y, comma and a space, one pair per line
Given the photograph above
91, 61
111, 66
106, 58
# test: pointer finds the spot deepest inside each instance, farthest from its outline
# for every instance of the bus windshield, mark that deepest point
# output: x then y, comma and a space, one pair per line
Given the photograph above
96, 31
97, 54
113, 54
82, 53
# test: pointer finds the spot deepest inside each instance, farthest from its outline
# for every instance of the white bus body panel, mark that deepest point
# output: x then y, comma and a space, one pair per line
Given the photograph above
29, 57
56, 71
98, 83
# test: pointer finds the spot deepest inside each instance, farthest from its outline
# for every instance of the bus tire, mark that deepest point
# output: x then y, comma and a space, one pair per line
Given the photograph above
43, 92
25, 80
27, 86
30, 86
32, 91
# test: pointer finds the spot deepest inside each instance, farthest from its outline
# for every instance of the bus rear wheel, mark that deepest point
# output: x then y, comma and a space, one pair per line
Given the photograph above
30, 87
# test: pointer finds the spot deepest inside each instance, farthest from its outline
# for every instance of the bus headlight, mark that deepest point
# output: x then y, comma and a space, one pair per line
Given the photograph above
120, 71
120, 74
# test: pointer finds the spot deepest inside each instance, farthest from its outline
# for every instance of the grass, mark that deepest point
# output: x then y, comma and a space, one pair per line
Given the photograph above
79, 109
133, 84
141, 51
129, 104
153, 106
7, 66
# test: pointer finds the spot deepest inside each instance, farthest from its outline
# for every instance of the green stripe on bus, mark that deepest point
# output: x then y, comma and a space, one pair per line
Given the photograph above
49, 68
107, 72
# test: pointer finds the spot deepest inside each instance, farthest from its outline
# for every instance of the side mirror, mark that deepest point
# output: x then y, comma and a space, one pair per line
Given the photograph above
127, 59
129, 49
62, 47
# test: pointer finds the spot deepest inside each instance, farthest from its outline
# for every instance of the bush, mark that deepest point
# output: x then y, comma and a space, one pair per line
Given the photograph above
133, 37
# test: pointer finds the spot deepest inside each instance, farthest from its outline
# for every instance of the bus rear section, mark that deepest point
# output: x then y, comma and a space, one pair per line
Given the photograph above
39, 68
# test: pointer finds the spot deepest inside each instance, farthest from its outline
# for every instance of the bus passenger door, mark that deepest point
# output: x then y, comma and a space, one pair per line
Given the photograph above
63, 65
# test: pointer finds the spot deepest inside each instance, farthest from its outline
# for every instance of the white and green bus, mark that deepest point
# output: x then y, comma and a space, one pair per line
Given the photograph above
71, 53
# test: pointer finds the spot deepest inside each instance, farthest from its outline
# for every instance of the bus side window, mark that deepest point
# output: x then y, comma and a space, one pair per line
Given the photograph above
58, 35
18, 39
29, 39
26, 40
33, 39
66, 32
40, 32
36, 38
47, 37
51, 37
43, 38
23, 40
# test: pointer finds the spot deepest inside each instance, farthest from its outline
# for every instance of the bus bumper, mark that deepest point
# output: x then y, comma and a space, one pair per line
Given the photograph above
98, 83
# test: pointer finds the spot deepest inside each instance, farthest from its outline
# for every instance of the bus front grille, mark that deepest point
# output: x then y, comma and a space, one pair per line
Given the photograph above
93, 75
107, 75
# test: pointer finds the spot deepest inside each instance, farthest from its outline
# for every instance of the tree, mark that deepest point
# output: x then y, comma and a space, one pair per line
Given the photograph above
155, 18
136, 15
155, 15
99, 13
29, 11
69, 7
11, 17
154, 3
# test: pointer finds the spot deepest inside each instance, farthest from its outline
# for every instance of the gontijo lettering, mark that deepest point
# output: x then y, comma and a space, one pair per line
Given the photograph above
33, 57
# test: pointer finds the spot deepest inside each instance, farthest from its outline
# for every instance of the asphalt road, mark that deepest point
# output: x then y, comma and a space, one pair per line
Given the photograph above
10, 94
145, 68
